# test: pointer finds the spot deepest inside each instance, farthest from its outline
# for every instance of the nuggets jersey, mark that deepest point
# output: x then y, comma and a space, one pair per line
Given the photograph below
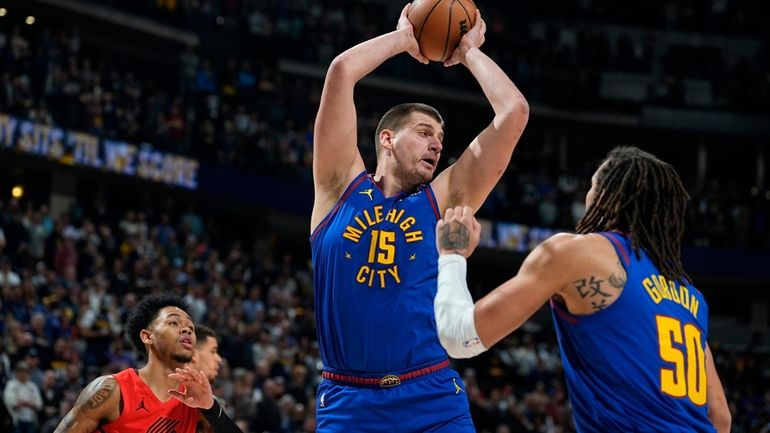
375, 273
638, 365
142, 412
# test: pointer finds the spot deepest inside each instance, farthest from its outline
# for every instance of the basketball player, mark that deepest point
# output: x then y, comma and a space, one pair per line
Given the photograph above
631, 327
206, 359
164, 395
372, 238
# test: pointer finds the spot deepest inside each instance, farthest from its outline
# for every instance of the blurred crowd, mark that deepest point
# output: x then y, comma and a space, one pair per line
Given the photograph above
68, 283
243, 113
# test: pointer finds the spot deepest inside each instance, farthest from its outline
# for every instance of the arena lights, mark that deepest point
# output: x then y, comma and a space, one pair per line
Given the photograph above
17, 191
3, 12
30, 20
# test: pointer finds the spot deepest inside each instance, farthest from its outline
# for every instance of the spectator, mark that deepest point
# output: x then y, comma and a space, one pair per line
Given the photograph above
22, 398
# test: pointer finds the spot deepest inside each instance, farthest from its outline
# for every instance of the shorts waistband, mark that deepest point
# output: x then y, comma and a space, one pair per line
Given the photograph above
387, 381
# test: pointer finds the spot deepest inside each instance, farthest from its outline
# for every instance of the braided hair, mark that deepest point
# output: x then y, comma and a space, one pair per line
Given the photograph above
642, 196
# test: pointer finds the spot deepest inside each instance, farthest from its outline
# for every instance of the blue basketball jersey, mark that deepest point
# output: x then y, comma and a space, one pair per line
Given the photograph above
375, 271
639, 364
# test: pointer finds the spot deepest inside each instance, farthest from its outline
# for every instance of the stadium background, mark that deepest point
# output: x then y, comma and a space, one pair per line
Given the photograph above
165, 145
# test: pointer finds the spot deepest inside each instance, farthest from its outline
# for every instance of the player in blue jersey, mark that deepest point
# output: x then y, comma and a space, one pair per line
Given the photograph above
373, 241
632, 328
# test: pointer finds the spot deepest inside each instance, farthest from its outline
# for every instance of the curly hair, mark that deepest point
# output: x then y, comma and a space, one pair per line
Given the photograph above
145, 312
644, 197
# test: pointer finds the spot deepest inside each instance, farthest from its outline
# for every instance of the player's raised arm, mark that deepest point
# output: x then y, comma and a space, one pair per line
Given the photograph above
336, 159
471, 179
98, 403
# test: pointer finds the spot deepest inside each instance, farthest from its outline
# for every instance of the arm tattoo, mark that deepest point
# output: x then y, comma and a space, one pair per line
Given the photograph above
91, 399
618, 281
102, 394
454, 236
591, 287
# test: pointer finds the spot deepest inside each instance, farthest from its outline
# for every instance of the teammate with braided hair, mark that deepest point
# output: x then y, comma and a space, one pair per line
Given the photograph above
632, 328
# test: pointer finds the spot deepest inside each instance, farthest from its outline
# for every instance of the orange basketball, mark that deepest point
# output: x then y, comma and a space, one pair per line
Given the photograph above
440, 24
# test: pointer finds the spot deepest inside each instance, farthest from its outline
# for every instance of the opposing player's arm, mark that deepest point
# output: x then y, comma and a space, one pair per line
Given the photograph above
336, 159
471, 179
718, 410
99, 402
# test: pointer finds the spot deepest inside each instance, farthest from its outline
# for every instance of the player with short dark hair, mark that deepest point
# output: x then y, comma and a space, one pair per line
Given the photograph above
164, 395
632, 328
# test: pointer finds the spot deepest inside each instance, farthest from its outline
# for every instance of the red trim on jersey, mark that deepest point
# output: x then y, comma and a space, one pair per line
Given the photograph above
360, 178
619, 247
433, 202
379, 381
569, 318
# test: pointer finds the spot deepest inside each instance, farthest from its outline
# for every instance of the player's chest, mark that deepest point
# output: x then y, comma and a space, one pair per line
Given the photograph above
382, 244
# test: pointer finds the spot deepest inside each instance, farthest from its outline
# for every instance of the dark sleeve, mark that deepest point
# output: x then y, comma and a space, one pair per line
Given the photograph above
218, 419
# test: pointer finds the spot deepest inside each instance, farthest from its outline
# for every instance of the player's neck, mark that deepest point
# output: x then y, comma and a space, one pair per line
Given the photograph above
155, 375
391, 185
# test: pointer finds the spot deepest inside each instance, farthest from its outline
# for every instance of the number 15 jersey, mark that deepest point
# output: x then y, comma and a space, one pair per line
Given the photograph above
375, 271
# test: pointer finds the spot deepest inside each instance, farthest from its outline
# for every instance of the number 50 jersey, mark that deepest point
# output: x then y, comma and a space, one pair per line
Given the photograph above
638, 365
375, 269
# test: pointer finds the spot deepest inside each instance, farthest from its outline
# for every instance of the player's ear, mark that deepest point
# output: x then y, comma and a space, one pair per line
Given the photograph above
386, 138
146, 336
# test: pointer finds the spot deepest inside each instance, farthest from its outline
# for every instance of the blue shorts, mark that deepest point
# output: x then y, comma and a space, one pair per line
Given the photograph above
435, 402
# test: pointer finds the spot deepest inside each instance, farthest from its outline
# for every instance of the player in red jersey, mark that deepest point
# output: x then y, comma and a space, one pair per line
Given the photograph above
164, 395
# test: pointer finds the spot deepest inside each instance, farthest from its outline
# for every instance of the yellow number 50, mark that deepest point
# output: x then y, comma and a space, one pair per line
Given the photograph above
688, 377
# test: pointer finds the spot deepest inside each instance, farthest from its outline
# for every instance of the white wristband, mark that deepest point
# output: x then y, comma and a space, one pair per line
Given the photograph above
453, 307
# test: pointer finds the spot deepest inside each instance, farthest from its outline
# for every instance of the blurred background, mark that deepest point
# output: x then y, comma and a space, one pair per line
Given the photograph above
166, 145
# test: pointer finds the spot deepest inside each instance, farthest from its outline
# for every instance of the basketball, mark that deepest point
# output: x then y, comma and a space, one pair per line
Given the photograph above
440, 24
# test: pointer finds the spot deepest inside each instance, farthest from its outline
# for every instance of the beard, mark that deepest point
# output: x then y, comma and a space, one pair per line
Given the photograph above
411, 177
182, 358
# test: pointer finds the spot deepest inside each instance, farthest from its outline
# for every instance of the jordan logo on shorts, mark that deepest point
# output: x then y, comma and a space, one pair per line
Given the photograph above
457, 387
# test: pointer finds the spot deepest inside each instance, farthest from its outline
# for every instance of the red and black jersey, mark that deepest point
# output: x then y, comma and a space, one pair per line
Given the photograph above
143, 413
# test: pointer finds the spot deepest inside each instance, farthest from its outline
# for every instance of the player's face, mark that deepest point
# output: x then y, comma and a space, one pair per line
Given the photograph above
207, 358
417, 149
173, 335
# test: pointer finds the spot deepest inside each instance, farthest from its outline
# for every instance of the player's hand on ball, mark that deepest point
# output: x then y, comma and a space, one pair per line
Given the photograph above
458, 232
411, 42
473, 39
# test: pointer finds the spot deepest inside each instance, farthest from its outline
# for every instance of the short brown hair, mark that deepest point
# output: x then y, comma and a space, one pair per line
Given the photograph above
394, 119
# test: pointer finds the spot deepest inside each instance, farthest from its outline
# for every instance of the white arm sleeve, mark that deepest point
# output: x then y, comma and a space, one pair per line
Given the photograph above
453, 307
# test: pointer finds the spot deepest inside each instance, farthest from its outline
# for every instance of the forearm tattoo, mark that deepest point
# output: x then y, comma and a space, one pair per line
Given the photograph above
454, 236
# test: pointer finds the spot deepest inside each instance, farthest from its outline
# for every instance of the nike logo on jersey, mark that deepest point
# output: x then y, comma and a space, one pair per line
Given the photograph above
323, 400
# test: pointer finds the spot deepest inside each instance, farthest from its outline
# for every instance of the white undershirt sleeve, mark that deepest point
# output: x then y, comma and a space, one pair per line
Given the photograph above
453, 307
